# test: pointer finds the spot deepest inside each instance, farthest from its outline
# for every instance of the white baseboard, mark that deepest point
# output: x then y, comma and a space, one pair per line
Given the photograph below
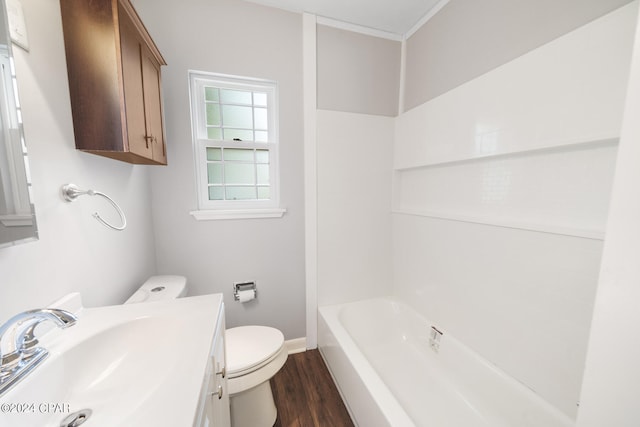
297, 345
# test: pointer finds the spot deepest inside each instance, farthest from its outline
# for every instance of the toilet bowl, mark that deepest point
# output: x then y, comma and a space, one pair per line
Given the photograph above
254, 355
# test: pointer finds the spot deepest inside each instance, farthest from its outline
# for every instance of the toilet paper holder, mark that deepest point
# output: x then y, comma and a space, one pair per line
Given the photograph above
244, 286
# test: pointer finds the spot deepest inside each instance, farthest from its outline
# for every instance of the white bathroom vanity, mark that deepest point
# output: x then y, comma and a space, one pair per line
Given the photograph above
147, 365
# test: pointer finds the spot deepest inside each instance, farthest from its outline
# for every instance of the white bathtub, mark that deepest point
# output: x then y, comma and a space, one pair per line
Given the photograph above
379, 355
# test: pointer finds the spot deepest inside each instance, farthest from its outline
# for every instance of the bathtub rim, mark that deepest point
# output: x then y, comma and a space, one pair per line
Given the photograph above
386, 403
375, 387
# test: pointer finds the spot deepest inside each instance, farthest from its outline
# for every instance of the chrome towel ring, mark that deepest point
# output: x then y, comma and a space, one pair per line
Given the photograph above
70, 192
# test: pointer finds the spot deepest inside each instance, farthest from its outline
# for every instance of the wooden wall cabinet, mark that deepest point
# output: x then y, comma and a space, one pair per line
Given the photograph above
114, 81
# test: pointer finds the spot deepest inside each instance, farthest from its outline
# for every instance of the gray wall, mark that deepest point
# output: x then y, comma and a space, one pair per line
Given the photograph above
357, 73
238, 38
467, 38
75, 253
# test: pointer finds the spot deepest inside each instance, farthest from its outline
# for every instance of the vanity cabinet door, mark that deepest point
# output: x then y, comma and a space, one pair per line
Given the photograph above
216, 411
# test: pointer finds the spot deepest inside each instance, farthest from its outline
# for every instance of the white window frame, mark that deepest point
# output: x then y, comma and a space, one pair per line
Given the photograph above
232, 209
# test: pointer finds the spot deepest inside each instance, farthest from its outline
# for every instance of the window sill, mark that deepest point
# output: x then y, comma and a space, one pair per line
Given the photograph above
206, 215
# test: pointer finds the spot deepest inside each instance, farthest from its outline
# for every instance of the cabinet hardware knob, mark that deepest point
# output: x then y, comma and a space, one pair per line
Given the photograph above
218, 393
223, 372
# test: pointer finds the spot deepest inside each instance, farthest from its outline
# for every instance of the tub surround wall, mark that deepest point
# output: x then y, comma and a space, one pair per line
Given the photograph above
612, 379
521, 299
500, 199
480, 153
354, 200
468, 38
358, 82
533, 191
568, 91
237, 38
75, 253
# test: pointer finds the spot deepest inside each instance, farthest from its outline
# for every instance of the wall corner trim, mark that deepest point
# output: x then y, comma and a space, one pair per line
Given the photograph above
329, 22
309, 69
430, 14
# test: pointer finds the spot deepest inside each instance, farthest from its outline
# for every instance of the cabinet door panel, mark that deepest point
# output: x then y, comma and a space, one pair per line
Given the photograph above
94, 93
221, 414
131, 50
215, 404
153, 106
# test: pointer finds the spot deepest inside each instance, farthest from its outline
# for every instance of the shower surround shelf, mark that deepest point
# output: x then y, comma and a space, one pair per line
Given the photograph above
506, 223
550, 148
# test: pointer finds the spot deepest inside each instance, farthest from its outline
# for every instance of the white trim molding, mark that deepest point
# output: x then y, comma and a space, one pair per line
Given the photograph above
205, 215
17, 220
329, 22
296, 345
309, 60
430, 14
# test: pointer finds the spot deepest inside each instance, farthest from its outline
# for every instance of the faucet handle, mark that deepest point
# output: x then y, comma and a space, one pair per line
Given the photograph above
61, 318
17, 334
27, 342
19, 353
25, 337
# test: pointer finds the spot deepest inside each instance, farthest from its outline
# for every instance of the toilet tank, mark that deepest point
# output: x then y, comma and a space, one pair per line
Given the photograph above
158, 288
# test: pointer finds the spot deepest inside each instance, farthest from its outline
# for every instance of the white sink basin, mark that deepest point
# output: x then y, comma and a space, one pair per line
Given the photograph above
131, 365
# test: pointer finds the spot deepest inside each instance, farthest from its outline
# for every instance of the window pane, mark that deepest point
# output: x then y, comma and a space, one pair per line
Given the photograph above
239, 173
216, 193
214, 133
241, 193
214, 173
213, 114
264, 193
242, 135
260, 99
214, 153
238, 154
231, 96
262, 156
263, 174
260, 118
262, 136
211, 94
235, 116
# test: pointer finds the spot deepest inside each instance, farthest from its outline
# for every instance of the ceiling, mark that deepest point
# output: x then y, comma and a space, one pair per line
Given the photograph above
391, 16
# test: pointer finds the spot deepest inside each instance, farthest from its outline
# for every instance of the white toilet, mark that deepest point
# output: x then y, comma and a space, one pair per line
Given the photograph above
254, 355
158, 288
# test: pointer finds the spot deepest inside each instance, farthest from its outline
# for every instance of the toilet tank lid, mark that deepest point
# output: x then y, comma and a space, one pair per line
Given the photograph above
249, 346
159, 288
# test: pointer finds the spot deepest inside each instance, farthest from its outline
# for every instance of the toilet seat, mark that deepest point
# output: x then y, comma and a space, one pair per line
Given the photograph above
254, 355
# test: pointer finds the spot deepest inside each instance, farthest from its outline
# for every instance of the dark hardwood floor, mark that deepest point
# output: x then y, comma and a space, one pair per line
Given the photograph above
305, 394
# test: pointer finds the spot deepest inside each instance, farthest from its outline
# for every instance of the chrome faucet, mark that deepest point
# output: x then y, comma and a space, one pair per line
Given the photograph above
18, 352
